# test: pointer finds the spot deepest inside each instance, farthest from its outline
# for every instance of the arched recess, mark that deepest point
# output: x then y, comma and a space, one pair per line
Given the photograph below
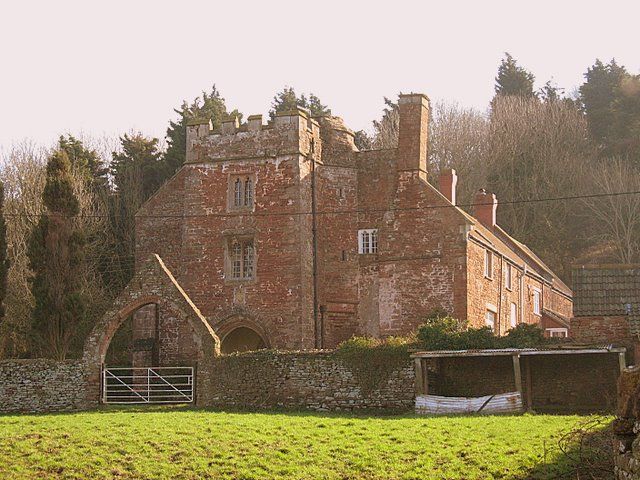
240, 333
153, 284
242, 339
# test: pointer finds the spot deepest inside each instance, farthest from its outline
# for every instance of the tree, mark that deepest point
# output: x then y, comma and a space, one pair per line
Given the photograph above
85, 161
56, 255
597, 95
4, 259
540, 150
386, 129
137, 172
617, 217
363, 140
210, 106
287, 100
513, 80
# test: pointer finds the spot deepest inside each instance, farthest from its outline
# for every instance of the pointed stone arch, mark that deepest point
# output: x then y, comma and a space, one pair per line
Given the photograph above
154, 283
237, 319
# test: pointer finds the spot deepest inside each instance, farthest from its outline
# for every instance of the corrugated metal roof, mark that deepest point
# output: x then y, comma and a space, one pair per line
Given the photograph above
573, 349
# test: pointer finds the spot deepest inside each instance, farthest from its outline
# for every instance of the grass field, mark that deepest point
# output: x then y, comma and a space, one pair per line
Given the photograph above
187, 444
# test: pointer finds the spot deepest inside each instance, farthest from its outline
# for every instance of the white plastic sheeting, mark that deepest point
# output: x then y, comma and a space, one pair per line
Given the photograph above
438, 405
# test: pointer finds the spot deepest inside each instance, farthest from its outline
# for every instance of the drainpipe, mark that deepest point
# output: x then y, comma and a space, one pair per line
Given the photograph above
314, 239
500, 293
521, 300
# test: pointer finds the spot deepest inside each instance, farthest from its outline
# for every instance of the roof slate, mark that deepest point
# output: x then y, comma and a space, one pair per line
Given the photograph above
607, 290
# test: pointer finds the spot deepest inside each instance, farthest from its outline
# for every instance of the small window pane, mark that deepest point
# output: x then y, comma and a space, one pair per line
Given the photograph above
236, 260
490, 319
248, 260
536, 302
488, 264
248, 193
237, 193
508, 275
514, 315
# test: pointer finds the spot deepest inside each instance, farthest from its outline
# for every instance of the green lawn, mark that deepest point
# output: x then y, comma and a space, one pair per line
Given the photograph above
186, 444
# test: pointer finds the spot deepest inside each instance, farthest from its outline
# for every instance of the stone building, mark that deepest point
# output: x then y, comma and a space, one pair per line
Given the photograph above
286, 236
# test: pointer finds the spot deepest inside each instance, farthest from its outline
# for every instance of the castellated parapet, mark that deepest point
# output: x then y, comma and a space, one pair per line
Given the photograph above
288, 134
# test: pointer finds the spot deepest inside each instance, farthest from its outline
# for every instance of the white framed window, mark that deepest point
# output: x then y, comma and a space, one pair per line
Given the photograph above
490, 319
241, 189
488, 264
368, 241
537, 302
557, 332
508, 277
513, 315
241, 259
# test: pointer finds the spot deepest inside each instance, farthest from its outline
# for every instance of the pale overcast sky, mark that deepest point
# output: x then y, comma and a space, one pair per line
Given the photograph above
106, 67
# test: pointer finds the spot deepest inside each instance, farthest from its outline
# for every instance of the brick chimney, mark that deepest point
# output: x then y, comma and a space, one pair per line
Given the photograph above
485, 208
448, 181
412, 137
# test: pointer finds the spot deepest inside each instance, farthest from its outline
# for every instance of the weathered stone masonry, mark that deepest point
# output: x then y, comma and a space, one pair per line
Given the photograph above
44, 386
312, 191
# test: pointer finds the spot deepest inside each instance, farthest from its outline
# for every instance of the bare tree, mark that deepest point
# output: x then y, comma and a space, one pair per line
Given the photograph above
617, 216
459, 139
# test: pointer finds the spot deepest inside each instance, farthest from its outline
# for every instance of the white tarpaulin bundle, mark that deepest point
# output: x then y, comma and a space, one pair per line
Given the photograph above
437, 405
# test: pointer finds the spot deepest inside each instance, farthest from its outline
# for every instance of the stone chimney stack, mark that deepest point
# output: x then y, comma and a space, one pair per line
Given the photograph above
448, 182
485, 208
412, 137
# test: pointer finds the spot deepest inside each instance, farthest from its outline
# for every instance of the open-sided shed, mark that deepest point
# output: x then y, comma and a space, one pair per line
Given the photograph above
513, 380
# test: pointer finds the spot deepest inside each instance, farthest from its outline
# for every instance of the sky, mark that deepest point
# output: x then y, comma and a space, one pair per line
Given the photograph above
108, 67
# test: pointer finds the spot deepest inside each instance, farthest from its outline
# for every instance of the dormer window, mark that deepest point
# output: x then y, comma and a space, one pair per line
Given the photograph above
241, 188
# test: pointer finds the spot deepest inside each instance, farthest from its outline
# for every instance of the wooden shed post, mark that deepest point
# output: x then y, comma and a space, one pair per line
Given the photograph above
421, 376
517, 373
622, 360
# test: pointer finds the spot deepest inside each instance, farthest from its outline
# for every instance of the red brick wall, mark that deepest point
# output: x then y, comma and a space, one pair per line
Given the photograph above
605, 330
485, 293
423, 262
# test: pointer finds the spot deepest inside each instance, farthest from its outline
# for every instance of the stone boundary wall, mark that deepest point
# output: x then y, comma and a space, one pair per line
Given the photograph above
626, 427
319, 381
42, 385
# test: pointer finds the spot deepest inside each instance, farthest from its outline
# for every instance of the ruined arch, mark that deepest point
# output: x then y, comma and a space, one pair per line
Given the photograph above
153, 283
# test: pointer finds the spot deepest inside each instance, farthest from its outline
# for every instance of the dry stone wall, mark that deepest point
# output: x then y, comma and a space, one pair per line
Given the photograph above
44, 386
319, 381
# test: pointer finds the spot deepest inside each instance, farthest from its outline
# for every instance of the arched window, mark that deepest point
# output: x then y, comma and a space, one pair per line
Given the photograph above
240, 194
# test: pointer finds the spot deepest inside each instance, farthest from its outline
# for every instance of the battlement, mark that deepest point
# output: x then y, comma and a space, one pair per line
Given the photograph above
289, 131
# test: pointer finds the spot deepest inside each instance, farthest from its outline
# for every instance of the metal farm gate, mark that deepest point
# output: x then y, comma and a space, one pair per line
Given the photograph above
146, 385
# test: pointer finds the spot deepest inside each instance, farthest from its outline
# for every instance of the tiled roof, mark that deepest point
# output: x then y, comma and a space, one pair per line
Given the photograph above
517, 252
607, 290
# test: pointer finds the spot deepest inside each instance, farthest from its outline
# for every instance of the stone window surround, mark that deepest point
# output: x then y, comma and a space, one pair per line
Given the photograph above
536, 305
370, 246
488, 264
243, 177
508, 276
230, 237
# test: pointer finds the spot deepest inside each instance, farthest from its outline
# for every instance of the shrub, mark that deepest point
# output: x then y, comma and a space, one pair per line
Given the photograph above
443, 332
524, 336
